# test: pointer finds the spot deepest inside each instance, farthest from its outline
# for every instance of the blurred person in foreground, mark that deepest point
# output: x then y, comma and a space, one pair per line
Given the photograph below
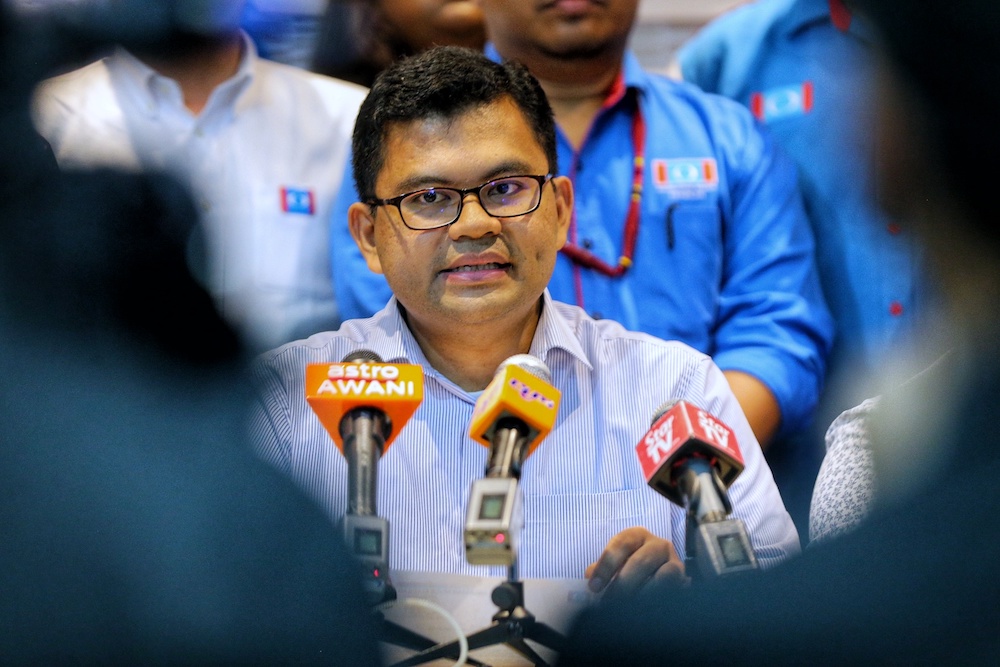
915, 583
137, 526
461, 210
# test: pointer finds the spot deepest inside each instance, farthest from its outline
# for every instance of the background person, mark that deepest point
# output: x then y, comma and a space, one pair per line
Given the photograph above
360, 38
262, 146
805, 69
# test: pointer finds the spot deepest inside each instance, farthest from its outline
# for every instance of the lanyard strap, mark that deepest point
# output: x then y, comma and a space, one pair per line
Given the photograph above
588, 259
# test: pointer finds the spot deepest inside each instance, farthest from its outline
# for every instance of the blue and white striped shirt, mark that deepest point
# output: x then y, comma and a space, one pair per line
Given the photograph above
581, 486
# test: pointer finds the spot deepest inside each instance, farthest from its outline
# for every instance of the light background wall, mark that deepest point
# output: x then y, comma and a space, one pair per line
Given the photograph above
663, 25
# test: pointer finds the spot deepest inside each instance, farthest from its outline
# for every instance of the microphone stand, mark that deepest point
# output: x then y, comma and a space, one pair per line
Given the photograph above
512, 625
716, 546
391, 632
394, 633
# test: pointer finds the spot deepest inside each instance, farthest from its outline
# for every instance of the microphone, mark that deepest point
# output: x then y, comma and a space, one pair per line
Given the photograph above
363, 404
692, 458
512, 416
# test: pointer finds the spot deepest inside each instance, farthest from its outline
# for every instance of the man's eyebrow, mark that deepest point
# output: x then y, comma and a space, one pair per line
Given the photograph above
425, 181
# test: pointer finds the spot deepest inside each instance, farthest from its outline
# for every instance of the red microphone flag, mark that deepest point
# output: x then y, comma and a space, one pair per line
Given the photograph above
680, 433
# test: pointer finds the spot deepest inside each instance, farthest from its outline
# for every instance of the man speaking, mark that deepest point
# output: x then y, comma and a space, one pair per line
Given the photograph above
454, 157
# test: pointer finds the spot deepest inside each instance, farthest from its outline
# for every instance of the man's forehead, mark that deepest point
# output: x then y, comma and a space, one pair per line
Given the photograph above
483, 141
501, 111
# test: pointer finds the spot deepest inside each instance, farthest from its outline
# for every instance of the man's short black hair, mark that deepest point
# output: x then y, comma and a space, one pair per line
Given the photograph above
443, 82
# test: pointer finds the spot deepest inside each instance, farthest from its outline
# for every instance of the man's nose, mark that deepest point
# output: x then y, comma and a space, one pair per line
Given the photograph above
473, 220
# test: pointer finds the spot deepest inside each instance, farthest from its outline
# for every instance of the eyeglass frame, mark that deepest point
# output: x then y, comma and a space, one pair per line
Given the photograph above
463, 193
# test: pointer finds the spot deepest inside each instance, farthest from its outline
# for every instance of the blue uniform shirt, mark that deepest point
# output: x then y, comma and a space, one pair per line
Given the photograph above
808, 79
724, 258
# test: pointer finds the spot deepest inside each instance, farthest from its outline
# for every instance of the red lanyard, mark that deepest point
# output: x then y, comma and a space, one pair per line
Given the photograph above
588, 259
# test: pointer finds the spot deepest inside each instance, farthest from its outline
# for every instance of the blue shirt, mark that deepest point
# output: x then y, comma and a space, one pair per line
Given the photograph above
581, 486
724, 258
809, 82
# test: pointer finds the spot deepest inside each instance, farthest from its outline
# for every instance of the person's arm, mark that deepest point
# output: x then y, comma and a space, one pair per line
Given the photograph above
845, 485
775, 326
635, 557
268, 421
758, 403
754, 496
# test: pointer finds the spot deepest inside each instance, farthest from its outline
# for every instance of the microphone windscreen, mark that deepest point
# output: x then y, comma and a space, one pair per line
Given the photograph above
520, 390
681, 431
363, 381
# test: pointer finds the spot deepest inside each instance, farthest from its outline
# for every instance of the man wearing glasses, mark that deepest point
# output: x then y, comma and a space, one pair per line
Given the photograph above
459, 210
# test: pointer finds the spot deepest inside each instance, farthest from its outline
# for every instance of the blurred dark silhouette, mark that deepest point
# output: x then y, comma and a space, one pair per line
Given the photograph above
135, 525
915, 583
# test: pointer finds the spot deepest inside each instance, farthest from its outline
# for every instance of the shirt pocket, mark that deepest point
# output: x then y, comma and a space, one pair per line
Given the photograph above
291, 248
564, 533
681, 254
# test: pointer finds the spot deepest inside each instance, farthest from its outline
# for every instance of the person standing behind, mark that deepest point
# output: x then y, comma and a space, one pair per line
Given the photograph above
137, 525
286, 31
360, 38
805, 68
262, 145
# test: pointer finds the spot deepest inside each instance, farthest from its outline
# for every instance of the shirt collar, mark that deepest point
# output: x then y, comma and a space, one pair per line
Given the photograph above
151, 87
392, 340
555, 332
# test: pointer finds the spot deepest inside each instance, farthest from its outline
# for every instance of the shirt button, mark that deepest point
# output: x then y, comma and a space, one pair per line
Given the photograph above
597, 315
895, 309
893, 228
205, 205
588, 244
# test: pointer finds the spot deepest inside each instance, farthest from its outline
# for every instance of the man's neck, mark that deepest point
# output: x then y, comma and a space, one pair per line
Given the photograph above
198, 65
469, 356
576, 88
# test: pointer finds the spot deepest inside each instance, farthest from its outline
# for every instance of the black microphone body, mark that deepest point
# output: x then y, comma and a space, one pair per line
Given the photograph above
506, 454
364, 431
705, 496
690, 457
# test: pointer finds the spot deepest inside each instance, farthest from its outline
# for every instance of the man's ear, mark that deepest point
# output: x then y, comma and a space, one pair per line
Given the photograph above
564, 206
361, 222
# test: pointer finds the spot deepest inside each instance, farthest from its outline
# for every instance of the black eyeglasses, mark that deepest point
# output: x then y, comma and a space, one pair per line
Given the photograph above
431, 208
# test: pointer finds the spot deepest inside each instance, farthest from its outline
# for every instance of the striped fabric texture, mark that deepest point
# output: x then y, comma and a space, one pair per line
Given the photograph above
580, 487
